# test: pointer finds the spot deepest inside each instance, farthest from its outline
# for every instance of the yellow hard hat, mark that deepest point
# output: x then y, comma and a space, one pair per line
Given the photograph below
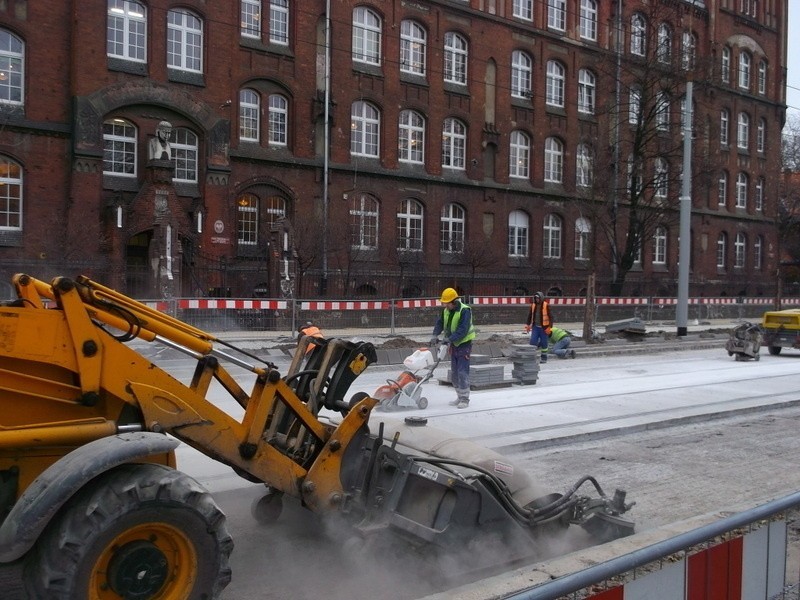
448, 295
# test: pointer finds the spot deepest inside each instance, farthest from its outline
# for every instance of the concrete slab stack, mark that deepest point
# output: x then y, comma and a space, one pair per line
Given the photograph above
525, 361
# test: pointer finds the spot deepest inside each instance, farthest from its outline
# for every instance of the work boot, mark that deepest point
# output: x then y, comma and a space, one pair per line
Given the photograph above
463, 404
572, 353
544, 358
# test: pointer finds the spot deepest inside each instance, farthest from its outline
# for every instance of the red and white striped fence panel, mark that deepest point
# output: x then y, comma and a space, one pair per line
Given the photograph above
419, 303
556, 301
742, 568
499, 300
160, 305
227, 303
345, 305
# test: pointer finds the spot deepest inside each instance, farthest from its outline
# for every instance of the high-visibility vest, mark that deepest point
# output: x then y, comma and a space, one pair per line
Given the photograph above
450, 320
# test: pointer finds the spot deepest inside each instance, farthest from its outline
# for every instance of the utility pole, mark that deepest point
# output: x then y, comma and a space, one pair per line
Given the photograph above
684, 248
326, 149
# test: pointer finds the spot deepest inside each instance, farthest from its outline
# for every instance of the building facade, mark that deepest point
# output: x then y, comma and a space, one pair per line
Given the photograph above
256, 148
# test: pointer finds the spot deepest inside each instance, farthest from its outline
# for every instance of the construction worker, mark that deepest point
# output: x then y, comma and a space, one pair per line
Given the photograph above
561, 339
311, 330
456, 324
539, 323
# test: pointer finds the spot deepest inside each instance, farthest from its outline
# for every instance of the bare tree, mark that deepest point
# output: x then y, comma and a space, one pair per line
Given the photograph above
308, 233
790, 144
479, 254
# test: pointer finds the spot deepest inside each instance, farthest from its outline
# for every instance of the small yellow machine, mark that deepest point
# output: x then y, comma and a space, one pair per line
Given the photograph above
781, 329
93, 507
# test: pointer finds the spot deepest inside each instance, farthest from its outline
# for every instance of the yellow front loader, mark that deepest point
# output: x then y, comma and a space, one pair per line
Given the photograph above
92, 505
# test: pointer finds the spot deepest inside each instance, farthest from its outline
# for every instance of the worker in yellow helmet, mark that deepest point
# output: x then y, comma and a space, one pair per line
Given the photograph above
455, 322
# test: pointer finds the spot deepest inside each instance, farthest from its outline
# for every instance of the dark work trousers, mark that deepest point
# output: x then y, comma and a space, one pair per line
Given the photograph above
459, 366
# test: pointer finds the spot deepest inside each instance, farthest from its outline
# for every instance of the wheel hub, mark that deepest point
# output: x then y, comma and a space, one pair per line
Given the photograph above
138, 570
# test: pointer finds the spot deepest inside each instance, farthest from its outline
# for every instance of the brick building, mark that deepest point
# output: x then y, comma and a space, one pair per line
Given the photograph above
495, 145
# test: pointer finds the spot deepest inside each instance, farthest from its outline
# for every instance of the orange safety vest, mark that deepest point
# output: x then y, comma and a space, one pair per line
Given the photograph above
313, 331
546, 321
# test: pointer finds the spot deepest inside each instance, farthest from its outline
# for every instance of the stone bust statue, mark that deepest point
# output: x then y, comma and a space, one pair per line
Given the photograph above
159, 145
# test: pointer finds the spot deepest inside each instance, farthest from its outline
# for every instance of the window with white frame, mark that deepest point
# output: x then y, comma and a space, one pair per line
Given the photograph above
518, 228
411, 137
410, 222
660, 246
688, 51
279, 22
761, 135
523, 9
363, 222
662, 111
635, 106
520, 74
758, 253
724, 127
749, 8
365, 125
722, 250
739, 250
247, 219
584, 169
725, 65
126, 30
455, 58
638, 35
452, 229
249, 115
250, 18
664, 40
275, 209
586, 91
557, 14
10, 195
278, 120
184, 155
119, 148
759, 199
583, 232
742, 182
762, 77
635, 180
184, 40
722, 189
743, 132
551, 241
554, 95
588, 20
553, 160
519, 155
12, 63
744, 70
661, 178
413, 48
366, 36
454, 144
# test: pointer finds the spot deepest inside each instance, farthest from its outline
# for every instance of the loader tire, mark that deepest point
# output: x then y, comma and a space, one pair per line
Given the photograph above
774, 350
137, 532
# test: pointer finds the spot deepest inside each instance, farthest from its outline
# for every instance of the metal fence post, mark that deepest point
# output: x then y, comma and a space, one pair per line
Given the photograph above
391, 322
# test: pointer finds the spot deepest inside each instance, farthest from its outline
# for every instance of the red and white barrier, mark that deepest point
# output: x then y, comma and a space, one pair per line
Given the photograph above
743, 568
345, 305
220, 303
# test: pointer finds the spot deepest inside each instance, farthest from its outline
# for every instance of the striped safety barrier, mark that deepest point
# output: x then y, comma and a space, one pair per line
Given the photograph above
232, 303
345, 305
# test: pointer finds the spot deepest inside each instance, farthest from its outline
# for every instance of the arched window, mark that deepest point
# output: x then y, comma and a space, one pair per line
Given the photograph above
586, 91
363, 222
688, 51
761, 135
722, 250
744, 70
664, 49
456, 52
739, 250
660, 246
661, 179
551, 241
760, 186
454, 144
413, 48
588, 20
410, 222
184, 40
452, 229
742, 182
634, 106
554, 93
725, 65
249, 115
518, 228
662, 111
583, 232
247, 222
638, 35
762, 77
184, 155
10, 195
584, 169
278, 120
722, 189
275, 209
366, 36
724, 127
521, 66
119, 148
411, 137
364, 129
743, 134
126, 30
519, 155
758, 253
12, 63
553, 160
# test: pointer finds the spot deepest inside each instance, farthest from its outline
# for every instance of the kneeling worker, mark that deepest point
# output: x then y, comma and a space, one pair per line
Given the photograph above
456, 323
561, 341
